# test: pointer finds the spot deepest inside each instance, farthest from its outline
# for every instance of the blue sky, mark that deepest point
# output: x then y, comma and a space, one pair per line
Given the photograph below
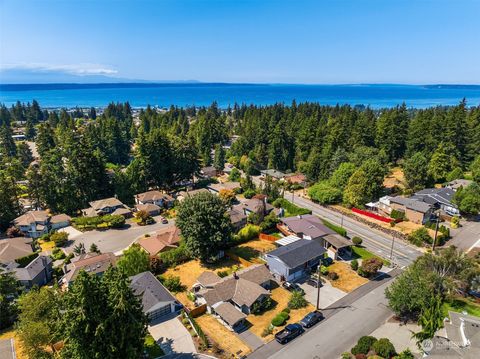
281, 41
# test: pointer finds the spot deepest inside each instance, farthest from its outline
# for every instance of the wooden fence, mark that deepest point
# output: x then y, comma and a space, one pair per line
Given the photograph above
267, 237
196, 312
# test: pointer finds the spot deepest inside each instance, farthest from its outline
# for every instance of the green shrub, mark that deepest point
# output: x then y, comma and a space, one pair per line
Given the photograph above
324, 193
332, 276
419, 237
290, 208
286, 310
323, 270
222, 273
23, 261
297, 300
57, 254
59, 238
175, 256
354, 264
396, 214
370, 266
279, 320
455, 222
249, 193
116, 221
247, 233
263, 306
406, 354
364, 345
333, 227
346, 355
269, 222
357, 241
384, 348
172, 283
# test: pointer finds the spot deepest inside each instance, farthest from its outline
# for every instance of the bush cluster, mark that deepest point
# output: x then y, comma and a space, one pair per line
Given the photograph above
280, 319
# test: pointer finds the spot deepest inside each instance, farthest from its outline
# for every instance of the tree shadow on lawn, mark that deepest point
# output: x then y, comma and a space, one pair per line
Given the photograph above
247, 253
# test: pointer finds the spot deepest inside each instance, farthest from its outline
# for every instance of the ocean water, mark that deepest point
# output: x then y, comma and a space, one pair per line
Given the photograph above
203, 94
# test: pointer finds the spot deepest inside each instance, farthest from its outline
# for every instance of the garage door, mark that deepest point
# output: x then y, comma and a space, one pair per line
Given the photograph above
160, 312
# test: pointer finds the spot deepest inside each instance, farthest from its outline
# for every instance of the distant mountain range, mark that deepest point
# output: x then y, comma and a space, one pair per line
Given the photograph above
34, 76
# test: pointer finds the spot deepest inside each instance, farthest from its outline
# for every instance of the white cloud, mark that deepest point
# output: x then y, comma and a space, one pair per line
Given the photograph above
84, 69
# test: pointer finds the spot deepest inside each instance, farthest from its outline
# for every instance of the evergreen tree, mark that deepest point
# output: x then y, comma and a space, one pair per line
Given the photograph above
415, 170
219, 160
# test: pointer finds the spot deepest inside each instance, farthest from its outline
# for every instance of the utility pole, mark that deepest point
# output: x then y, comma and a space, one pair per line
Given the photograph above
318, 285
436, 231
391, 249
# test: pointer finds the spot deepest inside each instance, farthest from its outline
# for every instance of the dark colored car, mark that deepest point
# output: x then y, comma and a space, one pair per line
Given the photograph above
314, 283
311, 319
290, 332
293, 287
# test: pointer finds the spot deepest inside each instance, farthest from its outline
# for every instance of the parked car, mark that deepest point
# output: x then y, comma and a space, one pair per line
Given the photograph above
311, 319
163, 220
290, 332
327, 261
293, 287
314, 283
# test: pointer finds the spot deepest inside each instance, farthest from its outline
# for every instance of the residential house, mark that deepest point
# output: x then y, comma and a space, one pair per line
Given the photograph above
106, 206
440, 198
231, 298
14, 248
277, 175
461, 340
155, 197
237, 217
34, 224
217, 187
311, 227
415, 211
456, 184
208, 172
256, 205
164, 240
150, 208
92, 263
158, 303
36, 273
297, 178
295, 260
184, 194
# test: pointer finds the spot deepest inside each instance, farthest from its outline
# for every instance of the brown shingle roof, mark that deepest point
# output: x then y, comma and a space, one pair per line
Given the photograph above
58, 218
106, 202
91, 263
153, 196
149, 208
229, 313
208, 278
31, 217
14, 248
165, 237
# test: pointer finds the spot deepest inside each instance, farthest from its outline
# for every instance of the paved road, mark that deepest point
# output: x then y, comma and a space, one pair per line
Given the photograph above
7, 350
375, 241
115, 240
467, 236
359, 313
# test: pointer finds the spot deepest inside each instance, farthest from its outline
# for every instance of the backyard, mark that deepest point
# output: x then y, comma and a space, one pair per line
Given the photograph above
251, 250
280, 296
224, 338
348, 280
460, 304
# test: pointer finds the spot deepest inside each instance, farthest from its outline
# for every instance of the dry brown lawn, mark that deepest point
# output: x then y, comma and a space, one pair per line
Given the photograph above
281, 296
348, 280
394, 178
259, 245
225, 339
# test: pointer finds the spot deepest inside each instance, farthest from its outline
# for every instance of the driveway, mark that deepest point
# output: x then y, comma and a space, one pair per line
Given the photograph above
172, 337
115, 240
467, 236
328, 294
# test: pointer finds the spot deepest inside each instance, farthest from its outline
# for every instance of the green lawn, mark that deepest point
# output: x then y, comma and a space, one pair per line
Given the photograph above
462, 305
152, 348
361, 252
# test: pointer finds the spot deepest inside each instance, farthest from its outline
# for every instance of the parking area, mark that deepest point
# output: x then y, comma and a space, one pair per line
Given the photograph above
172, 336
328, 294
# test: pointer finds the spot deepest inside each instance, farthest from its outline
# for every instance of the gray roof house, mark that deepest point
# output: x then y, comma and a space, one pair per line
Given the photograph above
231, 298
106, 206
36, 273
157, 301
14, 248
295, 260
306, 226
440, 198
